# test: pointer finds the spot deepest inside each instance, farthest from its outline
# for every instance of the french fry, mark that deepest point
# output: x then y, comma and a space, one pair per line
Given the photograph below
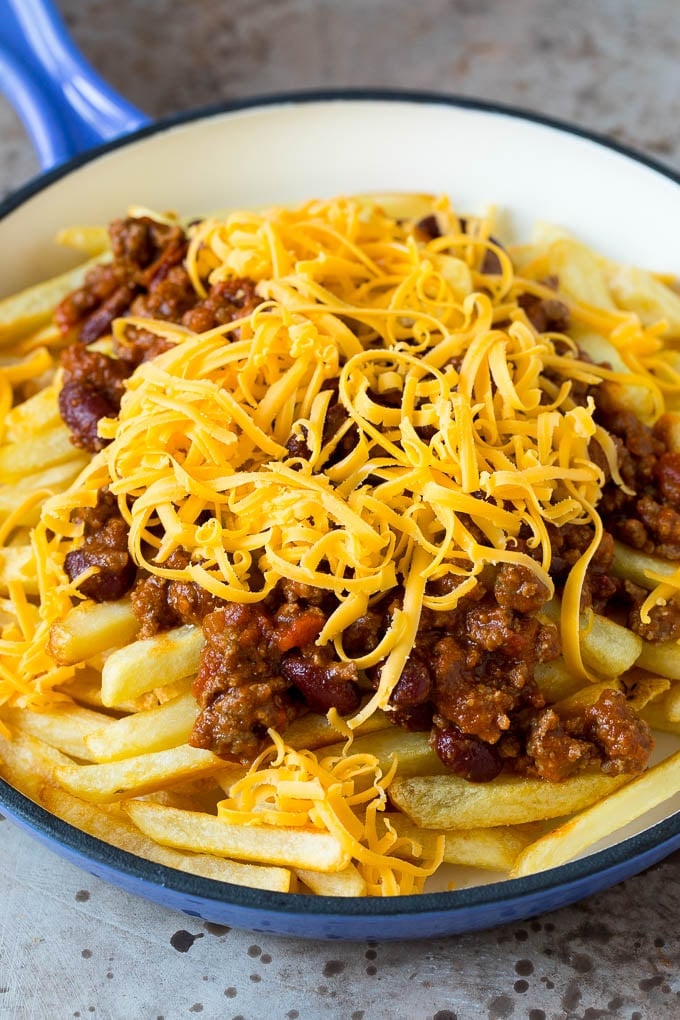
203, 833
618, 809
26, 762
662, 658
555, 681
607, 648
135, 776
168, 725
581, 273
109, 823
49, 336
601, 351
32, 308
90, 628
151, 662
493, 849
205, 793
407, 206
65, 727
52, 480
89, 240
32, 416
575, 703
655, 715
644, 689
633, 565
314, 731
17, 562
635, 398
347, 882
671, 703
85, 688
449, 802
55, 447
33, 368
314, 736
639, 291
412, 750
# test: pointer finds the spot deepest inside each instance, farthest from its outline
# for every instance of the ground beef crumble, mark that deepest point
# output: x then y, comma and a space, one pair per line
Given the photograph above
146, 279
104, 547
546, 315
648, 517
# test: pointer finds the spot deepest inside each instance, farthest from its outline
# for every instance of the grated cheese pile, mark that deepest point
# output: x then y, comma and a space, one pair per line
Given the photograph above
342, 795
467, 432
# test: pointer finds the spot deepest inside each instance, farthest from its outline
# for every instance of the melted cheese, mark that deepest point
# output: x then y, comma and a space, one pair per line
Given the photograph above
463, 429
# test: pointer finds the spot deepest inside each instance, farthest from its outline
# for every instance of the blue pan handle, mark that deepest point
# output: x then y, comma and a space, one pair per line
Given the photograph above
65, 106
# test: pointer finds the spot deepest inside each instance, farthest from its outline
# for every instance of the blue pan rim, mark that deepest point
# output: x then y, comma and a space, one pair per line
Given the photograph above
589, 874
648, 846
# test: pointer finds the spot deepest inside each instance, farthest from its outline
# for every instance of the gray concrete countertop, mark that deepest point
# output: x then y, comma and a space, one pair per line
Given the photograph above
72, 946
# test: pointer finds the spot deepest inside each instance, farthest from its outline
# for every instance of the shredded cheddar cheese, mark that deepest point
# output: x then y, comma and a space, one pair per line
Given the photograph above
343, 795
461, 433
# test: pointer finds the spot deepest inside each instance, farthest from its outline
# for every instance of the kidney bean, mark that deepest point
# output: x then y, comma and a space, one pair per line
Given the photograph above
114, 577
413, 686
106, 549
323, 684
81, 405
668, 476
467, 756
99, 322
414, 719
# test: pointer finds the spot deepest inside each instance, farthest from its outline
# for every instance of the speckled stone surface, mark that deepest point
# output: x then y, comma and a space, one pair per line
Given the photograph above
72, 946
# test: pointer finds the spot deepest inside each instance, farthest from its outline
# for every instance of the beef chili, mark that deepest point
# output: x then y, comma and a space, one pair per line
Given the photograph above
469, 680
146, 278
